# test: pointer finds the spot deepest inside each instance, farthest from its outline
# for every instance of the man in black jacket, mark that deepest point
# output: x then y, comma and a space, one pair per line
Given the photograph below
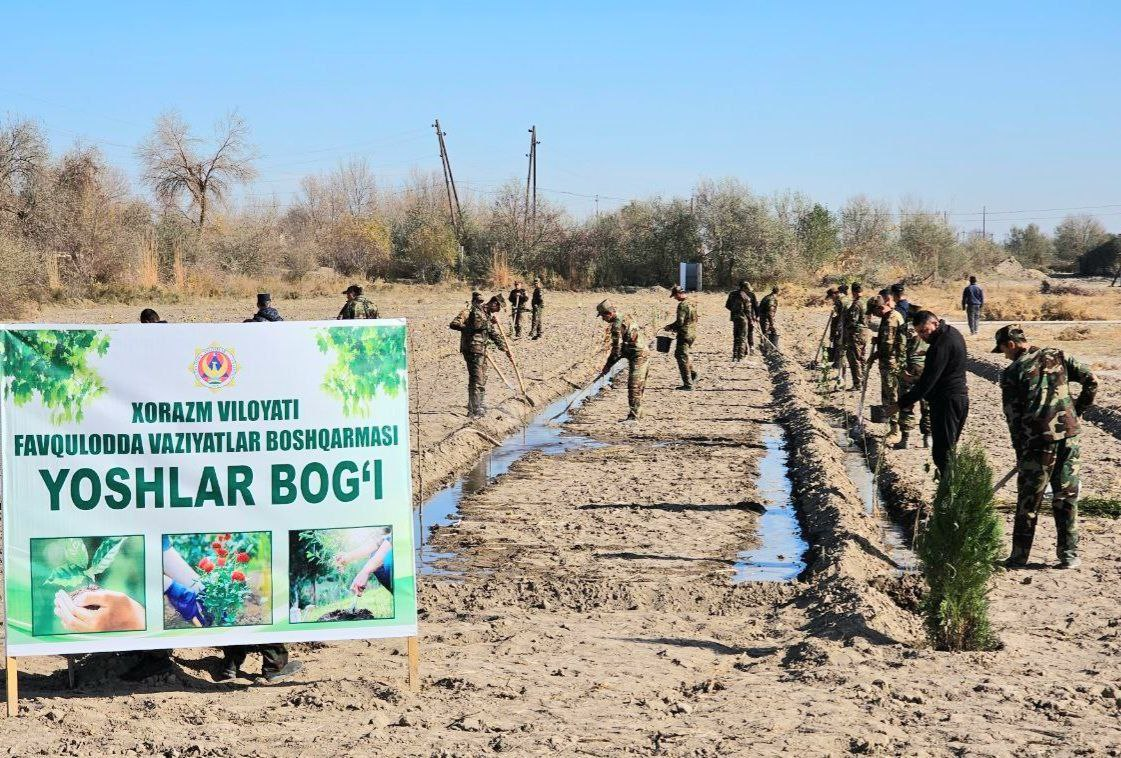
942, 383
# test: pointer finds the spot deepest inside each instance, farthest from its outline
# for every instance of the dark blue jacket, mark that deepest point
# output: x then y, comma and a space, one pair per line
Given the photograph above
972, 295
267, 314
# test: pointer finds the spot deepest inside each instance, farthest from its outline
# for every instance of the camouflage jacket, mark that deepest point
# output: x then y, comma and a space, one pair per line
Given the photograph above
915, 356
1035, 390
627, 340
359, 307
841, 304
538, 300
742, 304
475, 329
685, 325
856, 320
769, 306
891, 341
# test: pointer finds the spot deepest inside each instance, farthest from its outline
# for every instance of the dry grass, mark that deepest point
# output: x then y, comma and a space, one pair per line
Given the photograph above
1023, 302
1074, 334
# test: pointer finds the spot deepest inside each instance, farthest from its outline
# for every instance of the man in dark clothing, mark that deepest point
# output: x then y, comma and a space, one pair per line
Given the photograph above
149, 316
518, 297
942, 383
265, 311
901, 304
537, 310
972, 298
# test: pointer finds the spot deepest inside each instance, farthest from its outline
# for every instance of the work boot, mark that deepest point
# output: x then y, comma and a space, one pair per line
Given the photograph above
227, 673
693, 374
902, 443
1070, 563
926, 440
1018, 559
685, 387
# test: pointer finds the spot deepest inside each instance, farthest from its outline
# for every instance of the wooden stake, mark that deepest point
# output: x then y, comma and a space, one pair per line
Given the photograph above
13, 688
71, 672
414, 663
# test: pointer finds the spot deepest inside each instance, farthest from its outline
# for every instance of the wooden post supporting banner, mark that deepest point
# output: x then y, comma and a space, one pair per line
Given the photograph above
414, 663
71, 672
13, 688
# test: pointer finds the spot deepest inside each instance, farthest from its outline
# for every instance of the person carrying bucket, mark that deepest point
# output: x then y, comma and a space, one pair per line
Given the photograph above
627, 342
685, 327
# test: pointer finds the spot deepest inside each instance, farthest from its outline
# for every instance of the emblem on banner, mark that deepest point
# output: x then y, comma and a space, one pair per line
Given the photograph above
214, 367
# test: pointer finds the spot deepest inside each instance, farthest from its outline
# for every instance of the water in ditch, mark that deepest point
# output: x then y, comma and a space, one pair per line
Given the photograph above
893, 534
544, 433
779, 555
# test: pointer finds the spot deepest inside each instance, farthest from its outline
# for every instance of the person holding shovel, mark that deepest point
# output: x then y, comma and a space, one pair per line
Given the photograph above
477, 330
518, 297
537, 306
1043, 423
627, 341
891, 352
856, 335
743, 308
768, 311
685, 327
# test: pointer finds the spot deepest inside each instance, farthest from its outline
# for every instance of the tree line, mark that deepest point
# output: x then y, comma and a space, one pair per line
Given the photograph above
71, 223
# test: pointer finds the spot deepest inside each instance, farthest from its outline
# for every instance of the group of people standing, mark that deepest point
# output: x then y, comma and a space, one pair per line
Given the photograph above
923, 361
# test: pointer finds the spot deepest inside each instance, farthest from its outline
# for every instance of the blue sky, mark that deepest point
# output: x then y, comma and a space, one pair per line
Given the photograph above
1014, 106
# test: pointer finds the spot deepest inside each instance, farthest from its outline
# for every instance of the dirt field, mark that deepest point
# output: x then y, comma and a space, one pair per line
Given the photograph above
591, 609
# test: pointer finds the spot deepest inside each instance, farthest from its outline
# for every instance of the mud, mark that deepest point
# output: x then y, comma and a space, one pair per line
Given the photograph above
595, 613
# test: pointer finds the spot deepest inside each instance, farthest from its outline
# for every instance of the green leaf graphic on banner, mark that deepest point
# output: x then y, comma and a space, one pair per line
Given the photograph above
54, 364
104, 555
367, 359
76, 553
68, 577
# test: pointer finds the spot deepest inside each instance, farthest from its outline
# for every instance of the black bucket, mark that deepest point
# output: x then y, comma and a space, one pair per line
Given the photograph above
664, 343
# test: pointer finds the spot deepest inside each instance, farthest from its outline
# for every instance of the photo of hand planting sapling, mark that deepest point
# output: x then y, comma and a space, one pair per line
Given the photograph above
222, 579
341, 574
87, 585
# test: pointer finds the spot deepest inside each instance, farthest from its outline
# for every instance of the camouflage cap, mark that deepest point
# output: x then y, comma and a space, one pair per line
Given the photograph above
1009, 333
476, 297
745, 283
676, 290
604, 308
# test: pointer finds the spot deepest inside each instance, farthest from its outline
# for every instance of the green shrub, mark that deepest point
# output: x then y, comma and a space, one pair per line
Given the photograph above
1100, 506
959, 550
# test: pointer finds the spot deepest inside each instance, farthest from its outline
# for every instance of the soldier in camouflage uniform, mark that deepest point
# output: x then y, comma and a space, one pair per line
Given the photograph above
856, 335
913, 366
685, 327
768, 312
518, 297
837, 331
891, 352
1043, 422
477, 329
357, 305
743, 308
627, 341
537, 307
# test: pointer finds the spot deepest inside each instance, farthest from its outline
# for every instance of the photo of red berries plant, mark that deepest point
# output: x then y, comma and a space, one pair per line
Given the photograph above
234, 577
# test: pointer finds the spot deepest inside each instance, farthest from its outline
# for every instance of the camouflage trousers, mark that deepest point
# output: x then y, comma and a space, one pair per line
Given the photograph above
685, 361
855, 348
535, 326
743, 336
1057, 464
518, 322
891, 387
639, 367
768, 331
476, 383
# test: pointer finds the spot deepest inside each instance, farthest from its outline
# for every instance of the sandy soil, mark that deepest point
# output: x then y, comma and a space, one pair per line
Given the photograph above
594, 614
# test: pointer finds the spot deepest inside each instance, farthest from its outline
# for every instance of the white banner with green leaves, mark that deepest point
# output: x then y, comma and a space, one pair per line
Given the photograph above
188, 485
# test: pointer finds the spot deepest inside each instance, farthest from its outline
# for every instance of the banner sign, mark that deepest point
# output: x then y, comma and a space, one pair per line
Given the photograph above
197, 485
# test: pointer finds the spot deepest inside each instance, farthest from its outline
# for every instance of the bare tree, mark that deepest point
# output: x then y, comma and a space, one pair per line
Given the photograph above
23, 155
177, 164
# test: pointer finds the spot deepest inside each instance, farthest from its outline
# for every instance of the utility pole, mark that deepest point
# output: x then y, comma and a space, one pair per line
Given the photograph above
454, 209
597, 206
531, 183
984, 209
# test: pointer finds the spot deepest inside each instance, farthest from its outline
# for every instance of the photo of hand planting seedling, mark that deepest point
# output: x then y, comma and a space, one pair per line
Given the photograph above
341, 574
87, 585
222, 579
